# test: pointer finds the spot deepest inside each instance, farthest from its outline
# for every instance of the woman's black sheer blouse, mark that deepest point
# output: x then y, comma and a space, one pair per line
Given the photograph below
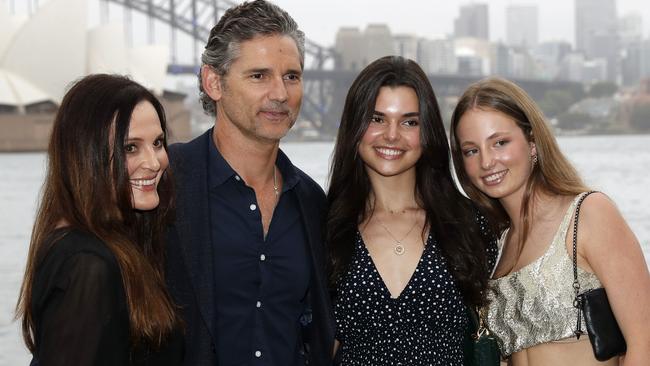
80, 311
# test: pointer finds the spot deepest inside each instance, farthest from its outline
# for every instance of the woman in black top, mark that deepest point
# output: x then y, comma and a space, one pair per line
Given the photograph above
408, 251
93, 291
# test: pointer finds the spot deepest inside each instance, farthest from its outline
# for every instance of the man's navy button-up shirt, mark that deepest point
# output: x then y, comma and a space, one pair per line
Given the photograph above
261, 283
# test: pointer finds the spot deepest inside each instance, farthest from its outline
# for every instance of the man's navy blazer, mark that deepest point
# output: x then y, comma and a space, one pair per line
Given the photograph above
189, 258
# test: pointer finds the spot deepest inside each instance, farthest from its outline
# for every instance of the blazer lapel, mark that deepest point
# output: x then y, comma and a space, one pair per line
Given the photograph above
193, 222
321, 328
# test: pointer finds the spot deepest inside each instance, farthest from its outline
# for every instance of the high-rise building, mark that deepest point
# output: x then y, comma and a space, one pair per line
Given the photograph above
472, 22
630, 28
437, 56
522, 64
406, 45
500, 59
630, 32
522, 26
571, 67
549, 57
575, 67
645, 58
378, 42
596, 33
349, 46
357, 49
592, 18
473, 56
632, 63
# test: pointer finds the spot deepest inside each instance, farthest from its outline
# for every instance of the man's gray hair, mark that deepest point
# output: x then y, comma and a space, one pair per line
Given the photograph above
242, 23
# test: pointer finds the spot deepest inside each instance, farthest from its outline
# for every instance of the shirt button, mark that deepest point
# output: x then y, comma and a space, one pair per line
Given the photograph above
237, 177
258, 304
252, 207
258, 354
262, 257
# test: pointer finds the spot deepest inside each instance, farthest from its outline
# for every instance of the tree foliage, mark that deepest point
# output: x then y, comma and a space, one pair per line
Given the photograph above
574, 121
603, 89
556, 102
640, 117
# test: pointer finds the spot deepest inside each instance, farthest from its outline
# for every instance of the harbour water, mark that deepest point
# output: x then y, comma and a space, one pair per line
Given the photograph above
616, 165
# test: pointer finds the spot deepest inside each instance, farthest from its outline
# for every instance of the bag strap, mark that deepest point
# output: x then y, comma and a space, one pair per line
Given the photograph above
477, 318
576, 285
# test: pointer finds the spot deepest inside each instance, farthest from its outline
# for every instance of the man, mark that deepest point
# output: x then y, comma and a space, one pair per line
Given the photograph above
245, 259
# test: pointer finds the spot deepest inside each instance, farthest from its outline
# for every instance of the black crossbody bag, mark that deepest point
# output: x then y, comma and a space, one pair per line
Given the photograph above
481, 348
605, 336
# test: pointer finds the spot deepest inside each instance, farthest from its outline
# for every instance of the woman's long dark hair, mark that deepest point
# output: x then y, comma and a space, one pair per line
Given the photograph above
449, 215
87, 188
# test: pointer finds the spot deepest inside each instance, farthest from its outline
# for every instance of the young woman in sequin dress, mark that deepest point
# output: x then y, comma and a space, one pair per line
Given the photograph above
509, 163
408, 251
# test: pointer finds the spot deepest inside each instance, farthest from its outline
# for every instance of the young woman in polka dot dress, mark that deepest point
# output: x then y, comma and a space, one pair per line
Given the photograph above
408, 251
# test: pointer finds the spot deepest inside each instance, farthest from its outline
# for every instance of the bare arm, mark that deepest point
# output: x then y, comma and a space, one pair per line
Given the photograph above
612, 252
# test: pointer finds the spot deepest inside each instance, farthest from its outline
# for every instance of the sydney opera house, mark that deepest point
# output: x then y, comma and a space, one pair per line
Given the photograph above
41, 55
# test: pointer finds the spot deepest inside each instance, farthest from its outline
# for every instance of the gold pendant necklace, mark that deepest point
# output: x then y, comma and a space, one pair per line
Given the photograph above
276, 189
399, 247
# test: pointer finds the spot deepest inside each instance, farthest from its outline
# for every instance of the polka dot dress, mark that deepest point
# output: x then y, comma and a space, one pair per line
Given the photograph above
425, 325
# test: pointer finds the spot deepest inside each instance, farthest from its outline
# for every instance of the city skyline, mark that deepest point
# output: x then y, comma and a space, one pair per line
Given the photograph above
556, 17
556, 21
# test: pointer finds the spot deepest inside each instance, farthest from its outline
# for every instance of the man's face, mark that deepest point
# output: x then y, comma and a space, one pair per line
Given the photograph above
261, 93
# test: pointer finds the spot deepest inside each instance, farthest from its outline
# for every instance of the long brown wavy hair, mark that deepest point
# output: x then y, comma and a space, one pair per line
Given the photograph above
553, 173
87, 188
451, 217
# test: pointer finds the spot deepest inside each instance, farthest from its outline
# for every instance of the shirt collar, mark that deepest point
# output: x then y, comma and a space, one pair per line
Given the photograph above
288, 171
219, 171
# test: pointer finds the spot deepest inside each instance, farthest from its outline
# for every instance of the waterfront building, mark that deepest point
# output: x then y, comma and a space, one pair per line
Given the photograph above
31, 91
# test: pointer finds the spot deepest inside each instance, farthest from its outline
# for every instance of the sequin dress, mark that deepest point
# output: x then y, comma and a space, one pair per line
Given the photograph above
425, 325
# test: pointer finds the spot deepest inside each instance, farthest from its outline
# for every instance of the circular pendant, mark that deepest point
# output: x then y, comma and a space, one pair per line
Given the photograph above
399, 249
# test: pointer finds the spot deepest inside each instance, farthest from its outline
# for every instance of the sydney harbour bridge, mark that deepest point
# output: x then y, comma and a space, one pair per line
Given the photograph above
325, 85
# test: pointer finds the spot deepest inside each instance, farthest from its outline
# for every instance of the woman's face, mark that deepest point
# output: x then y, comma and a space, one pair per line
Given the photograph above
496, 153
146, 158
391, 144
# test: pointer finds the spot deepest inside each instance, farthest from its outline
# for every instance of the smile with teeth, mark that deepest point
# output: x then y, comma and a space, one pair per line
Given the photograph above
495, 178
143, 182
391, 153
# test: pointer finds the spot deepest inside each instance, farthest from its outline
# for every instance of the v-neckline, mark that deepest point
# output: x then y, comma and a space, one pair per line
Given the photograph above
381, 278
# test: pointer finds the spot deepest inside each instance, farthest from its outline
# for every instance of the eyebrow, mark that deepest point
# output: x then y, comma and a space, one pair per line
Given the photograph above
161, 136
266, 70
409, 114
497, 134
294, 71
491, 137
261, 70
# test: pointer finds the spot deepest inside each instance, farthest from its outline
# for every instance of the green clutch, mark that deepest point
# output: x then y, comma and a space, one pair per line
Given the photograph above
481, 348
